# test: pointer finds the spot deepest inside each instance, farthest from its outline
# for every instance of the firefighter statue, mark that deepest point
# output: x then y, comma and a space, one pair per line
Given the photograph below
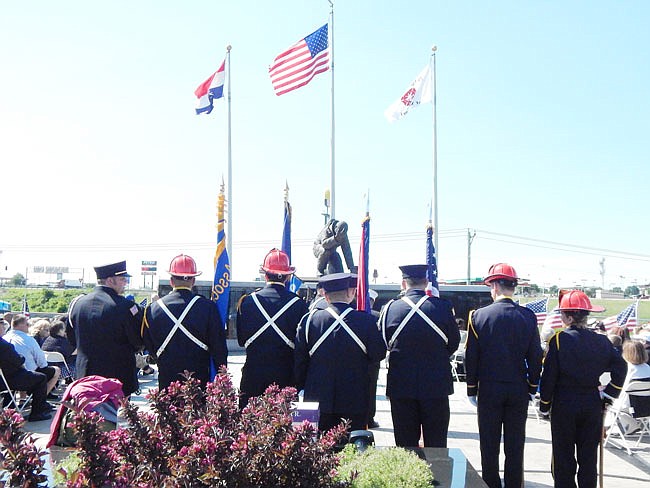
328, 260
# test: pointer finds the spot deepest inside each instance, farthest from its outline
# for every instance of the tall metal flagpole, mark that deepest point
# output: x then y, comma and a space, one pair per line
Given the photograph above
332, 153
435, 160
229, 235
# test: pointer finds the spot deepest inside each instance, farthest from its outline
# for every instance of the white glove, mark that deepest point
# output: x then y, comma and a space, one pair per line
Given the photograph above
472, 400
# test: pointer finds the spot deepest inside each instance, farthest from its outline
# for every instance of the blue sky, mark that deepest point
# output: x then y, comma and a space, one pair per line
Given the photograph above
542, 115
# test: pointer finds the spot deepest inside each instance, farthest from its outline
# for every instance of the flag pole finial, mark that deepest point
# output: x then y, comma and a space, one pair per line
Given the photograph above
286, 191
228, 48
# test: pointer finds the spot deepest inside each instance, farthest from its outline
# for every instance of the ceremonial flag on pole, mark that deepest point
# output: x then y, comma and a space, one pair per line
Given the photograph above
294, 282
363, 299
432, 266
539, 307
298, 65
143, 302
418, 92
221, 283
626, 318
25, 308
209, 90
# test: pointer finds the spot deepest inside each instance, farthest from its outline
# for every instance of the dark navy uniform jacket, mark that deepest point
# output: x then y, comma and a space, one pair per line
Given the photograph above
503, 345
336, 375
268, 358
181, 353
107, 334
574, 362
419, 365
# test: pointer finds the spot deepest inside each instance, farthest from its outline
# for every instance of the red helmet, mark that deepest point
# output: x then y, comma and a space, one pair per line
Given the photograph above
277, 262
183, 265
501, 271
573, 300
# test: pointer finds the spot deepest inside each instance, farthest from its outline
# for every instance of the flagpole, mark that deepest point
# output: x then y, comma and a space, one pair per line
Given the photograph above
435, 160
332, 153
229, 235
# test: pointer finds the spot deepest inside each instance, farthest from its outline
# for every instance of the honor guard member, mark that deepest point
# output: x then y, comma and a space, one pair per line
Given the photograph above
576, 359
421, 335
334, 348
267, 321
106, 327
319, 301
184, 330
503, 360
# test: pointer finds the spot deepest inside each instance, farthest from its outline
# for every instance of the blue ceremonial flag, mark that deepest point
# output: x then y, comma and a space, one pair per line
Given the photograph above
363, 300
221, 283
432, 267
143, 303
294, 282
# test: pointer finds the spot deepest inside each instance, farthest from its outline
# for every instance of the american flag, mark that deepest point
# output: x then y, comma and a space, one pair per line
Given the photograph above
553, 319
539, 307
296, 66
626, 318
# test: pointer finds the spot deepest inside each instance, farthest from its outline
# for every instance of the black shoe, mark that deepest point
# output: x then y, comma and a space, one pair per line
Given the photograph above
53, 396
37, 417
147, 371
373, 424
48, 407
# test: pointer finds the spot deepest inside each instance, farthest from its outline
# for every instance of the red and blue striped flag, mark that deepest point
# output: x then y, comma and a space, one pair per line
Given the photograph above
210, 89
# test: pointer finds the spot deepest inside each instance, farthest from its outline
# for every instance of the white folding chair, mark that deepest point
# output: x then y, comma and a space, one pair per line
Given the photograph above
19, 405
457, 359
54, 357
638, 392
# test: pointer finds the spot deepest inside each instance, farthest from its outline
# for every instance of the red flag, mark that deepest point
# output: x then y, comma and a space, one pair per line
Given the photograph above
363, 300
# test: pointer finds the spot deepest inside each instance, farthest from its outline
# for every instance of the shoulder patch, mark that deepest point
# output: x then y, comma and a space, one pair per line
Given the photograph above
134, 310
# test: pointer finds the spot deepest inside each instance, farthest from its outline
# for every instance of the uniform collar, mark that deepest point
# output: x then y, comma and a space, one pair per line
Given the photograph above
178, 288
503, 297
275, 283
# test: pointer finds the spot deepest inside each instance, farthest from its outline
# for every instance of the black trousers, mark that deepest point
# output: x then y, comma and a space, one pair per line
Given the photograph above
33, 383
328, 420
412, 417
373, 376
502, 407
576, 427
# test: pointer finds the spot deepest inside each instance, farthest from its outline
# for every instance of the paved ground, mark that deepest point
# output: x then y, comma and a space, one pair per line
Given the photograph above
621, 470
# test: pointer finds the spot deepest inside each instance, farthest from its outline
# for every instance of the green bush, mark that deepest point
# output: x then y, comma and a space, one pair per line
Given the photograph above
384, 468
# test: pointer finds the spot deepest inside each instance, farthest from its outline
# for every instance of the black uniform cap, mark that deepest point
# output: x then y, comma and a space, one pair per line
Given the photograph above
338, 281
414, 271
114, 269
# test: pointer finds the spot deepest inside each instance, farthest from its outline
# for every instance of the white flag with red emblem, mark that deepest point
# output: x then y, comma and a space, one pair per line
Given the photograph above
418, 92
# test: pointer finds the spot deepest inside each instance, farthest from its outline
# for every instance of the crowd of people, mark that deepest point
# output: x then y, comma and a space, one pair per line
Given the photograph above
330, 352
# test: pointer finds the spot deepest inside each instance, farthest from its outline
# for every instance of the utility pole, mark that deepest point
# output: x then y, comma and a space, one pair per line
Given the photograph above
602, 273
470, 237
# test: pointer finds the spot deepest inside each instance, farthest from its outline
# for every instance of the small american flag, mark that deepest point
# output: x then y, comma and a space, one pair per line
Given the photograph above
553, 319
539, 307
626, 318
296, 66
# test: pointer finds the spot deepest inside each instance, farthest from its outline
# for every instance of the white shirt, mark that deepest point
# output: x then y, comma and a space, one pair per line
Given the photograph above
28, 348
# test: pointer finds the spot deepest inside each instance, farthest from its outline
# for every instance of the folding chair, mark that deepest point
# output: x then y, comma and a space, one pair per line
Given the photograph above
638, 391
457, 359
19, 405
57, 358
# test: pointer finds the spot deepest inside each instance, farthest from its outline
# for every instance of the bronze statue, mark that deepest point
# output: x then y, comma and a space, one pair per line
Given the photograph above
328, 260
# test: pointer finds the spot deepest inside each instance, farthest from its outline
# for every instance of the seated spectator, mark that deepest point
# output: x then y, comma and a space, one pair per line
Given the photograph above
40, 330
18, 378
58, 342
29, 349
636, 357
